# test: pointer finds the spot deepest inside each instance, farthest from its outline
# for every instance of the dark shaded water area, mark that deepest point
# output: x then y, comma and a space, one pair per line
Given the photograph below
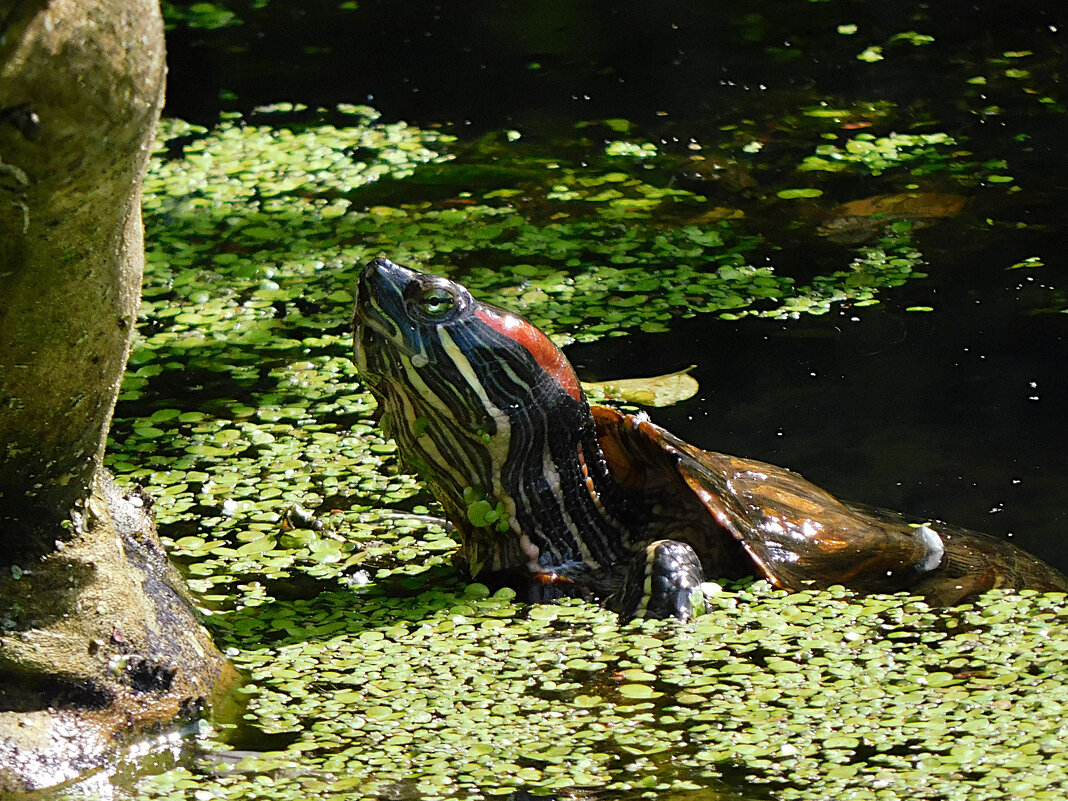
956, 413
495, 64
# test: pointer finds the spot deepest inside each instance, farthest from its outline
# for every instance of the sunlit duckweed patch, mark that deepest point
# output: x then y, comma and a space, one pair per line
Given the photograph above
811, 695
374, 671
264, 226
240, 397
923, 153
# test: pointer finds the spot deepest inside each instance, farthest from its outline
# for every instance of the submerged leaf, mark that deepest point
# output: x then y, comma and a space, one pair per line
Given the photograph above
904, 204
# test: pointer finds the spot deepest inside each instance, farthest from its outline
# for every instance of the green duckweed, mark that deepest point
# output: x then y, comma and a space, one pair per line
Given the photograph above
373, 669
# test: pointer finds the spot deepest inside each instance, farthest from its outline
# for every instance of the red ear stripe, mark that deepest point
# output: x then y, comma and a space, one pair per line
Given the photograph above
540, 347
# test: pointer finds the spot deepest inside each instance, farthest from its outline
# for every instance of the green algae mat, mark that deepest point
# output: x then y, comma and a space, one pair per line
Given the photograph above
373, 670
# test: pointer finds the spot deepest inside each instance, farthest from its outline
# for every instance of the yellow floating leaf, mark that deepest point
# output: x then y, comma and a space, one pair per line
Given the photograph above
659, 390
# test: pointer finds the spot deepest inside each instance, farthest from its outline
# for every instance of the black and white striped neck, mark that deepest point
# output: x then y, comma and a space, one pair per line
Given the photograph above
566, 509
492, 416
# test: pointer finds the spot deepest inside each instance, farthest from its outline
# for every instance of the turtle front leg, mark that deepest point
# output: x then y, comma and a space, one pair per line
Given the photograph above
664, 581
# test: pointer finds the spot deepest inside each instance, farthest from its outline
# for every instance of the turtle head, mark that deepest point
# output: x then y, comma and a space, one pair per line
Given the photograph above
478, 401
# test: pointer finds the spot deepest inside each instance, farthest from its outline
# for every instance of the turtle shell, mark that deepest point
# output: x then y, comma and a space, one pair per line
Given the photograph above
795, 534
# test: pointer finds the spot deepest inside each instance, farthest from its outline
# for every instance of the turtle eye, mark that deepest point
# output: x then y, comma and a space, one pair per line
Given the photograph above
436, 302
433, 303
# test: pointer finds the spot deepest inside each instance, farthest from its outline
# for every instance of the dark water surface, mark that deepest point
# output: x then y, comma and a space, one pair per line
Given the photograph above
956, 413
510, 62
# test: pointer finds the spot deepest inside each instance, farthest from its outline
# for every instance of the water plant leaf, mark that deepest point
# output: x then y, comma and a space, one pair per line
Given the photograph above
659, 390
904, 204
794, 194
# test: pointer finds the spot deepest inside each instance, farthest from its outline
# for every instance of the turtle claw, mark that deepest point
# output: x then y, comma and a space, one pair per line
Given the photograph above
664, 581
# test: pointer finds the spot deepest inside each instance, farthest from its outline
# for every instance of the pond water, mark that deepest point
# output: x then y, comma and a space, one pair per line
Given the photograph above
956, 413
693, 183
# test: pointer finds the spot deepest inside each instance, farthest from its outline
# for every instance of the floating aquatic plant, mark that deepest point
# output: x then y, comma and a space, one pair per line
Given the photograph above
374, 671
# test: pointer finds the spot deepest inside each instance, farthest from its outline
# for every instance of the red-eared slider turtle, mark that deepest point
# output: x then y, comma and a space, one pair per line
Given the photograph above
588, 501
